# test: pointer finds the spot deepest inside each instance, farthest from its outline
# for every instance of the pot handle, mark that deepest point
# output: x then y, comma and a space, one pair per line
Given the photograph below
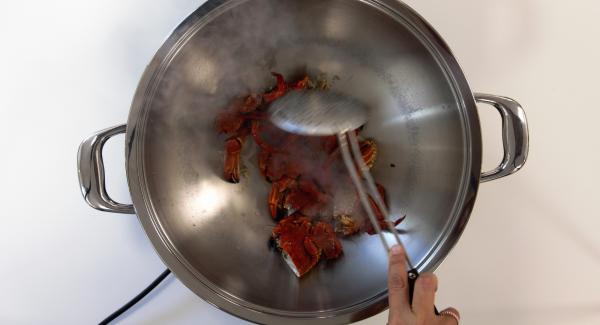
90, 168
515, 135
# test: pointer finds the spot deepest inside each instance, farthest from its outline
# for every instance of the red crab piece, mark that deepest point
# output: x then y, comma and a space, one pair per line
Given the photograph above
293, 237
278, 140
300, 84
277, 197
231, 169
251, 103
368, 150
323, 236
329, 143
306, 198
264, 159
274, 166
279, 90
229, 122
379, 214
232, 119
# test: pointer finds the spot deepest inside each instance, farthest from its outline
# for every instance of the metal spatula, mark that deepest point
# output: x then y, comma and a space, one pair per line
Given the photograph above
311, 112
323, 113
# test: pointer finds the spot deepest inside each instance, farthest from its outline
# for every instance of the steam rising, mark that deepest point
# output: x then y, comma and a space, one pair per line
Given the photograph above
232, 51
233, 56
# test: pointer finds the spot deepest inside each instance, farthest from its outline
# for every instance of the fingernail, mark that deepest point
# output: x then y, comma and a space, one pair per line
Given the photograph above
396, 250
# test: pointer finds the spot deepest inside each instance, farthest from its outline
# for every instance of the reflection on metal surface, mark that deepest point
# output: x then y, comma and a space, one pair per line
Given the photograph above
210, 197
201, 73
335, 25
424, 113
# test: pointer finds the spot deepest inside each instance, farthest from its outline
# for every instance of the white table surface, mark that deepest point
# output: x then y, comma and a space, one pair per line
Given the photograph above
531, 251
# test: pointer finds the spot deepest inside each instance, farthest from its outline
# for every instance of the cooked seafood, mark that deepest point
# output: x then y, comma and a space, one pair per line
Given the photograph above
293, 237
305, 178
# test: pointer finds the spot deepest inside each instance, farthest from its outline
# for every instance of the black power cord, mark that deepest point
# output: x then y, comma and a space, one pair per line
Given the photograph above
136, 299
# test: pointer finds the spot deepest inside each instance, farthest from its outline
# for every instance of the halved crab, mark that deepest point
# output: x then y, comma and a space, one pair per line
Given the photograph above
293, 237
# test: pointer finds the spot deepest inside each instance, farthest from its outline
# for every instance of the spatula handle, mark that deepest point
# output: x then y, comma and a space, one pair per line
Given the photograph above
413, 275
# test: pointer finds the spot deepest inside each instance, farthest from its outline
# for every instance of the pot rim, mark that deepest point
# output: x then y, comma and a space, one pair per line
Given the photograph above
233, 305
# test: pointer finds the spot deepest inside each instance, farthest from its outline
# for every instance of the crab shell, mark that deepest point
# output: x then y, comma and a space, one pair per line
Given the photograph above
368, 150
231, 168
293, 237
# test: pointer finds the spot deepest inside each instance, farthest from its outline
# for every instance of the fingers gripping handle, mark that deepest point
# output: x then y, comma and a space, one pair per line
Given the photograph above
413, 275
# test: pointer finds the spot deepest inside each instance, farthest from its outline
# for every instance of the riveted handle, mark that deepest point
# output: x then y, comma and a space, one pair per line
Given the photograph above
412, 279
90, 167
515, 135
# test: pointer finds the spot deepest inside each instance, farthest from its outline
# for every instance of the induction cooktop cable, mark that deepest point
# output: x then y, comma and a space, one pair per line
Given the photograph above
136, 299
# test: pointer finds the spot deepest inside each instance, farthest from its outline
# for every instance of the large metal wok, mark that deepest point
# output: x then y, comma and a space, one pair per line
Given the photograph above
213, 235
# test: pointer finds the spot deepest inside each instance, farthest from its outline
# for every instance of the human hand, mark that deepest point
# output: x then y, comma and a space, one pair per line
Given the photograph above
421, 311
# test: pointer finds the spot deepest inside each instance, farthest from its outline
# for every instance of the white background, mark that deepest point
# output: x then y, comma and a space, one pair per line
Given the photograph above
530, 254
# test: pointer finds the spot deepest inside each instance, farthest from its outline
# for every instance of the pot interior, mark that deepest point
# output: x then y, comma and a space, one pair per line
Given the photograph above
219, 231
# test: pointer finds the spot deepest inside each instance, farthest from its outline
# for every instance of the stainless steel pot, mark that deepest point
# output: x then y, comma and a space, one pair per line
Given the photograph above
213, 235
